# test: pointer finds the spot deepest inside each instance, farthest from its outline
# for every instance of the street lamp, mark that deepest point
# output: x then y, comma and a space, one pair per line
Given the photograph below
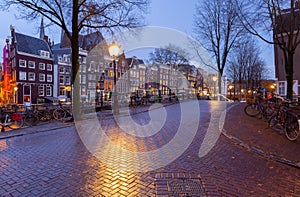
114, 50
215, 78
16, 91
230, 88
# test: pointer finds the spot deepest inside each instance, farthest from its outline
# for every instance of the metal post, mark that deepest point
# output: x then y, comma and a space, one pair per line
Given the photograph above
115, 96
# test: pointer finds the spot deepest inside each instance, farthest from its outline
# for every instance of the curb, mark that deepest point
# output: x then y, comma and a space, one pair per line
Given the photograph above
257, 150
16, 133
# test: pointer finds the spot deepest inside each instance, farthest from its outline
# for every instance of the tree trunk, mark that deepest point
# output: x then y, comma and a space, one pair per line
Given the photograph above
75, 62
289, 68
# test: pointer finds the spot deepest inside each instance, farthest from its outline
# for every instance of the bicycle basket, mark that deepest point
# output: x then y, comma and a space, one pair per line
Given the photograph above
16, 116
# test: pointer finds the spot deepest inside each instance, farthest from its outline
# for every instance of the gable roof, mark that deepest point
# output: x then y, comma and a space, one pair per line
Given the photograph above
31, 45
86, 42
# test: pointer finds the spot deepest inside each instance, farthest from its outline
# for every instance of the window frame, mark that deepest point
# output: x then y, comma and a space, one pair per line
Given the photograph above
23, 66
50, 67
43, 90
24, 73
47, 79
50, 90
44, 77
32, 67
44, 66
29, 78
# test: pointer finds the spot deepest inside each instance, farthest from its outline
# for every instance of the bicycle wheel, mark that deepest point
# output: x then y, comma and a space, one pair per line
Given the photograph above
16, 124
31, 119
251, 110
59, 114
274, 122
292, 129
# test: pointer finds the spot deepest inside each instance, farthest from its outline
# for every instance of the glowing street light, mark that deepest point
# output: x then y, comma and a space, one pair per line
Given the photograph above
114, 50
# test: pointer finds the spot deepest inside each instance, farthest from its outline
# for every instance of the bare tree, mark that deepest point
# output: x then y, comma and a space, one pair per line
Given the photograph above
171, 55
283, 19
246, 68
218, 29
79, 15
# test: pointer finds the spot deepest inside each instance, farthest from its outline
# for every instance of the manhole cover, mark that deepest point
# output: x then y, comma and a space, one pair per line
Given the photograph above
185, 187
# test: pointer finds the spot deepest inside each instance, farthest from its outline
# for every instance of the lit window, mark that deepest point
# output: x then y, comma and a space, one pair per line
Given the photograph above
31, 76
42, 66
31, 64
22, 75
22, 63
42, 77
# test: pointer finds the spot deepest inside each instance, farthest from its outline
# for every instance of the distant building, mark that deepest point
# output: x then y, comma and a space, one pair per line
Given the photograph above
89, 73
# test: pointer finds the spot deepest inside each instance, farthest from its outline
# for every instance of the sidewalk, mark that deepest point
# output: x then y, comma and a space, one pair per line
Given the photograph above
253, 134
53, 125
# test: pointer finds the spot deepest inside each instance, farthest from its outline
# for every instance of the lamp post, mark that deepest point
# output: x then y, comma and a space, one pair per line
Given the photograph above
114, 49
97, 95
230, 88
215, 78
16, 91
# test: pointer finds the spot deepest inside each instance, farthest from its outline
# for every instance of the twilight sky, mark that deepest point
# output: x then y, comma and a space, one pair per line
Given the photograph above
175, 14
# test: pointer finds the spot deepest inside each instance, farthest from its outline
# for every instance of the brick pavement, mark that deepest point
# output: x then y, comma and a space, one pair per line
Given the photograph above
256, 136
56, 163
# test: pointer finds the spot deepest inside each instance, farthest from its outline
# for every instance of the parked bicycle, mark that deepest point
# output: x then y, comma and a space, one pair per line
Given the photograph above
260, 107
33, 117
286, 119
62, 112
10, 118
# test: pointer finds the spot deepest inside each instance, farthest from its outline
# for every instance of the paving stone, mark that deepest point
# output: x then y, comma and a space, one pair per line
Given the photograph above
56, 162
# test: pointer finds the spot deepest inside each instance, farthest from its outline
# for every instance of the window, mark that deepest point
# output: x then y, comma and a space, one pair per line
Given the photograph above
42, 77
61, 79
282, 88
59, 59
41, 90
44, 53
61, 69
68, 81
62, 91
68, 70
48, 91
31, 64
49, 67
42, 66
83, 68
49, 78
22, 75
83, 79
31, 76
22, 63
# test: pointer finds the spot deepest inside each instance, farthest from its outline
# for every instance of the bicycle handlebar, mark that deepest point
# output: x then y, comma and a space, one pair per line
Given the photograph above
283, 99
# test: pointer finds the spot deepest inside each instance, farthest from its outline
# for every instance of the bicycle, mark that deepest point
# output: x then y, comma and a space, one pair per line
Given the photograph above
10, 118
259, 105
285, 120
61, 112
33, 117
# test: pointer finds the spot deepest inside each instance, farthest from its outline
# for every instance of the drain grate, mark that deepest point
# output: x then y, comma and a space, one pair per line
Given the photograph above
184, 187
